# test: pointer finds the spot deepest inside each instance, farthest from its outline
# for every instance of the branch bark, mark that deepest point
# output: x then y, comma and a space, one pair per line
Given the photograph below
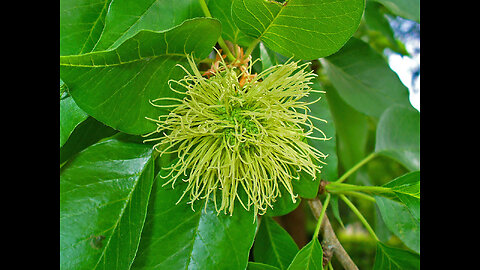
330, 240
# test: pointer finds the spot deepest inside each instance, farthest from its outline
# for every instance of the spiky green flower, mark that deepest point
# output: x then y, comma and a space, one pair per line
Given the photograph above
230, 135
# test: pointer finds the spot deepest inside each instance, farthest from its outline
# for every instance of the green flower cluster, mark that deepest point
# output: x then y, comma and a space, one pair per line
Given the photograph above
230, 135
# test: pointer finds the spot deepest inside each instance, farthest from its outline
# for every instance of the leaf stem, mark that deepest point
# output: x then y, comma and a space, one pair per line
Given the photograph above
221, 42
341, 188
356, 194
356, 167
320, 218
359, 215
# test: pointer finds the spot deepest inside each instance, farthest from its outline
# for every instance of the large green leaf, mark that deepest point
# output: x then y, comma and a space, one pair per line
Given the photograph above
306, 187
321, 109
398, 136
395, 259
104, 193
400, 221
115, 86
364, 80
273, 245
310, 257
127, 18
81, 24
304, 29
407, 189
348, 121
175, 237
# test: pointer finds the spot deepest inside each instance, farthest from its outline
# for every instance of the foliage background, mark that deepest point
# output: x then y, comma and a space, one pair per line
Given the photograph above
114, 214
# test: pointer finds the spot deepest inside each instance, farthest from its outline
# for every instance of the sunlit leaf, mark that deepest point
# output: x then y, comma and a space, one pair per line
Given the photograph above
304, 29
115, 86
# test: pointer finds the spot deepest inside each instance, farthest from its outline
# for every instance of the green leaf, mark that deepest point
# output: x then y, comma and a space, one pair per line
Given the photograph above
303, 29
364, 80
260, 266
400, 221
268, 57
125, 19
85, 134
273, 245
395, 259
310, 257
335, 209
398, 136
321, 109
81, 24
306, 187
348, 121
407, 189
116, 86
283, 204
70, 117
104, 193
221, 10
175, 237
409, 9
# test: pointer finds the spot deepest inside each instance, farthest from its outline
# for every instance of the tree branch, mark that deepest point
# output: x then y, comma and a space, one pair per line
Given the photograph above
330, 240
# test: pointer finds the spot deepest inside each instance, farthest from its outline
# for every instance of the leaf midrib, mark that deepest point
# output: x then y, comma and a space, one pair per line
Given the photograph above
129, 197
121, 63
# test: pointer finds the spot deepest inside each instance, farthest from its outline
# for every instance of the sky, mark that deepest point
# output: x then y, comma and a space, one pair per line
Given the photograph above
407, 67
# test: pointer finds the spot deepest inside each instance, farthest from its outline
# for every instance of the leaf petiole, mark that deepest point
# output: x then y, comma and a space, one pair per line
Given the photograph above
356, 194
341, 188
356, 167
320, 218
221, 42
359, 215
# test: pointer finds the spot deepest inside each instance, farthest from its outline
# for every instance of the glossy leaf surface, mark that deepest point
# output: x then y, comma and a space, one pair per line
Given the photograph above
176, 237
273, 245
104, 193
310, 257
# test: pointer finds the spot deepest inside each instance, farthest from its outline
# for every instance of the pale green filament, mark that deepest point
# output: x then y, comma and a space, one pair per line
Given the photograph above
229, 137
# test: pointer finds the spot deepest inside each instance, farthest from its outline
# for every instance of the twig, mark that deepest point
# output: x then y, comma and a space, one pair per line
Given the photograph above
329, 237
